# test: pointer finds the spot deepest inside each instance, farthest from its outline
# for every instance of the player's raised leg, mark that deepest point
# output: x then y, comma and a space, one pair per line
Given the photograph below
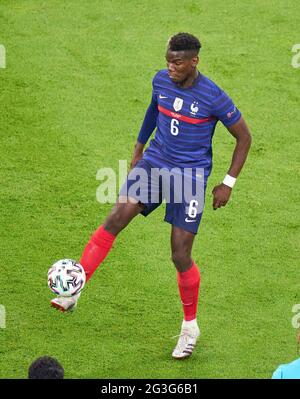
188, 277
101, 243
103, 238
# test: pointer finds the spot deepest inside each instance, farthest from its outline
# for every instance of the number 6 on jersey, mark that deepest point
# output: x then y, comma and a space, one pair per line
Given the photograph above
174, 128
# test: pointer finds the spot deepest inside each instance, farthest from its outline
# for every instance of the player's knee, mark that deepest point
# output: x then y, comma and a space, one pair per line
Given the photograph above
114, 223
181, 259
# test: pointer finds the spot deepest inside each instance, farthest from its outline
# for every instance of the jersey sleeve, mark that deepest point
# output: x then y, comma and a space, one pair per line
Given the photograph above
277, 375
149, 123
224, 109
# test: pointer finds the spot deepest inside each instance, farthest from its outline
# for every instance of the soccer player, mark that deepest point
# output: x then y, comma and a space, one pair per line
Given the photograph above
289, 371
45, 367
185, 108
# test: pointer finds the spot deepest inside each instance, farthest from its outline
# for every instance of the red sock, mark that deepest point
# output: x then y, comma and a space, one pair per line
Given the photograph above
96, 251
188, 283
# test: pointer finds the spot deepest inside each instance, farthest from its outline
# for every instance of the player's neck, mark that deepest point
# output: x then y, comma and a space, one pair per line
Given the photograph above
190, 80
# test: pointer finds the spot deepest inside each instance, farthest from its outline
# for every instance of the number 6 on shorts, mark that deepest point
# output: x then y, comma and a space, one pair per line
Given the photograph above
192, 209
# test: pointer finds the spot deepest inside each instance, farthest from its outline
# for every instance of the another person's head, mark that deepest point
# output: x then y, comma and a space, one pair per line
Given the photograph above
45, 368
182, 56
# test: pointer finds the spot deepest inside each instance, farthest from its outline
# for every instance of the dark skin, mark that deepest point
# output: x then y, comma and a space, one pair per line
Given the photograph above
242, 135
182, 68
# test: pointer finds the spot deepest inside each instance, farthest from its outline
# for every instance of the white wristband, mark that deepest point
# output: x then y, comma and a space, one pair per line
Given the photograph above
229, 181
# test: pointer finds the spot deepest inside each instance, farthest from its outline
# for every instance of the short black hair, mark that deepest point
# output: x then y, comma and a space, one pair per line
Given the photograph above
184, 41
45, 367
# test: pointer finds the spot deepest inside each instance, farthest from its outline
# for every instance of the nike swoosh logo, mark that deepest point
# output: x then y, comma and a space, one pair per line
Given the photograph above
189, 221
160, 96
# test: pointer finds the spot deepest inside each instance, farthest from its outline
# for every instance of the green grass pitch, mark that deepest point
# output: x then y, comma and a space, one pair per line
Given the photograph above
73, 95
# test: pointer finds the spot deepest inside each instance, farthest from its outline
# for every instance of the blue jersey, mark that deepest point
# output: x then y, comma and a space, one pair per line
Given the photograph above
288, 371
185, 121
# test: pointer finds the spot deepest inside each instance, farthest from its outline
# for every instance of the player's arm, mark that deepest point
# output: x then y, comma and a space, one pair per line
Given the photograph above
241, 133
147, 128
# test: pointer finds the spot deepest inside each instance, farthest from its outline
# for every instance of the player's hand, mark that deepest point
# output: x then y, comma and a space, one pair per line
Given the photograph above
221, 195
135, 160
137, 154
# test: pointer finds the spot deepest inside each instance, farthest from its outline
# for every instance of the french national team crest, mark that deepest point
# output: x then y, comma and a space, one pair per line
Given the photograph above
178, 104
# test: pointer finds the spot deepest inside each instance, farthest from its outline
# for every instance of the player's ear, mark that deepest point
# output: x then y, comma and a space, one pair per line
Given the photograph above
195, 61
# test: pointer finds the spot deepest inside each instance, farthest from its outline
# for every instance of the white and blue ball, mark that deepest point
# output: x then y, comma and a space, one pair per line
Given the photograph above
66, 277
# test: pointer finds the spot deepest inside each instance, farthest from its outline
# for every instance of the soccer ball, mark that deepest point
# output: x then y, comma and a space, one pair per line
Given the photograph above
66, 277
